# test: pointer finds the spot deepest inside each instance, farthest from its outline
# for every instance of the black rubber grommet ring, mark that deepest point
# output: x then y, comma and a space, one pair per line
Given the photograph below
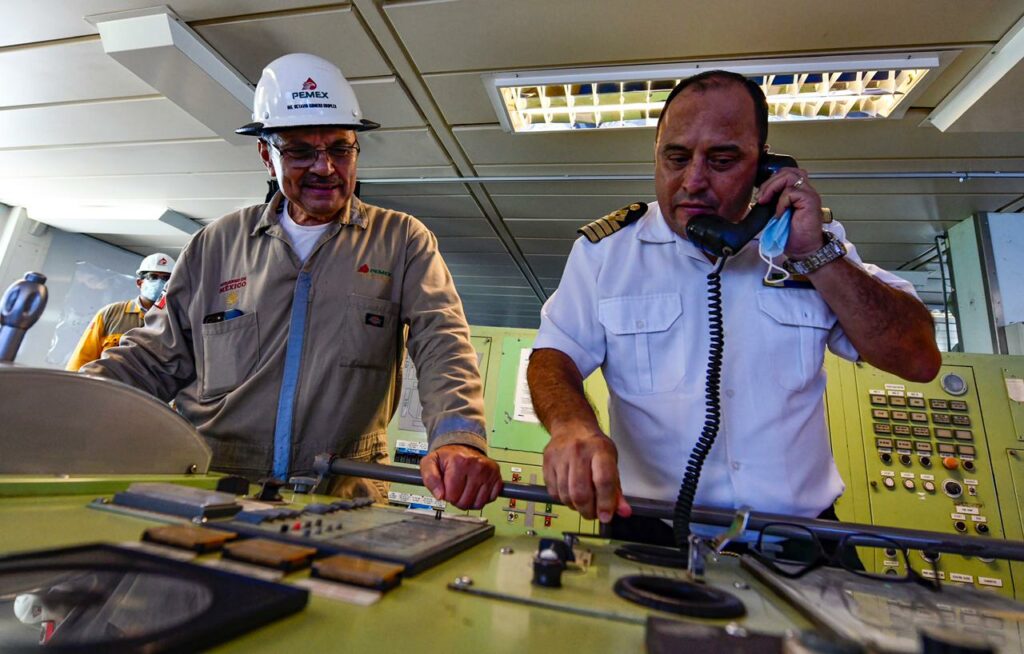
679, 597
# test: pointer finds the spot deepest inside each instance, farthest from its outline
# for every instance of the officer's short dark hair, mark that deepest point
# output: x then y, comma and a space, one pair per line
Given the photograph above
717, 78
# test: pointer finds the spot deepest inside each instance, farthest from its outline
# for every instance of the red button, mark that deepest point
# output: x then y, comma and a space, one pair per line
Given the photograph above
950, 462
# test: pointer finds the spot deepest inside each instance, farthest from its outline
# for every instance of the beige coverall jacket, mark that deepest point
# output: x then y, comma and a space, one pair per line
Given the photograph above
376, 278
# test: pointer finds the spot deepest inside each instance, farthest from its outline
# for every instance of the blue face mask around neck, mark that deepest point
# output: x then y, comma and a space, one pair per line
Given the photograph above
773, 243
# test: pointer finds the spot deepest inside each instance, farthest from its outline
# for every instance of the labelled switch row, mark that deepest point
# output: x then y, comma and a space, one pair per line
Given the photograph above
878, 398
951, 419
918, 431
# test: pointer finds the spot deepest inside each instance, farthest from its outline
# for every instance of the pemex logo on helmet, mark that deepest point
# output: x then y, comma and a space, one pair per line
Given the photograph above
309, 84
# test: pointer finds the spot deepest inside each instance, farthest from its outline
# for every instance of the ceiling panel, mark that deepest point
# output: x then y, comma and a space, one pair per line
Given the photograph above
555, 168
544, 33
895, 231
561, 207
393, 148
462, 98
384, 101
485, 270
471, 280
46, 20
368, 173
453, 244
558, 246
913, 207
892, 139
638, 190
482, 259
42, 75
458, 226
477, 292
875, 252
520, 304
372, 191
544, 228
547, 265
454, 206
491, 145
335, 34
135, 187
192, 156
101, 122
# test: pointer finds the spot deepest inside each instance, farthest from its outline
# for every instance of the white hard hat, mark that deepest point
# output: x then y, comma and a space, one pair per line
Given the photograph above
159, 262
28, 608
303, 90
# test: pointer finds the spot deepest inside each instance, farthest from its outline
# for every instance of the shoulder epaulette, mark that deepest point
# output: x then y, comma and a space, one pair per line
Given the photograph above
613, 222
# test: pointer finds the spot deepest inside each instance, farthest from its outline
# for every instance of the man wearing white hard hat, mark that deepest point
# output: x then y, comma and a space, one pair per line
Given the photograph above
283, 334
112, 321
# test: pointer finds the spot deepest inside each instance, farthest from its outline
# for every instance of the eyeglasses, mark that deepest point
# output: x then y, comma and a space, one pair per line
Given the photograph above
792, 551
152, 276
304, 156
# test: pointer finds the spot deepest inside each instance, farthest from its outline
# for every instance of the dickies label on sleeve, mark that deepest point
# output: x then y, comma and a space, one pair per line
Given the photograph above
375, 320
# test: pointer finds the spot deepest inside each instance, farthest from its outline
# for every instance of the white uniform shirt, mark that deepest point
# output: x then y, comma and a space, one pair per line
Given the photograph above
635, 304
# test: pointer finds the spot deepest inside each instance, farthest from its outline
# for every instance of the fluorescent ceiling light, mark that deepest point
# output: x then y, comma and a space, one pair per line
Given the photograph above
807, 88
999, 61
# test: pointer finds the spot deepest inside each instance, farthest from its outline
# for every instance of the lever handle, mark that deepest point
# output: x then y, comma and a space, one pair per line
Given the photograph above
22, 305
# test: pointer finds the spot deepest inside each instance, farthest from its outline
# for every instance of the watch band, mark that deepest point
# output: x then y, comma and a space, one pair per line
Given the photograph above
832, 249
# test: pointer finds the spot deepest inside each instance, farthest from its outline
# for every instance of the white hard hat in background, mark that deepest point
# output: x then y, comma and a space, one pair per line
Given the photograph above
28, 608
159, 262
303, 90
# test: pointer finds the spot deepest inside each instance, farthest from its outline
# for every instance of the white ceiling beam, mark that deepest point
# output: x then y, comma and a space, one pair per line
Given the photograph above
999, 61
163, 51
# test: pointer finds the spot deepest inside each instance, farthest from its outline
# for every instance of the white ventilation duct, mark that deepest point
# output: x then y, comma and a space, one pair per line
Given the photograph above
168, 55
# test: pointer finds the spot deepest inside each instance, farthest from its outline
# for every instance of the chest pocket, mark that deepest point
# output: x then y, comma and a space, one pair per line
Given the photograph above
112, 340
230, 351
637, 329
369, 333
797, 324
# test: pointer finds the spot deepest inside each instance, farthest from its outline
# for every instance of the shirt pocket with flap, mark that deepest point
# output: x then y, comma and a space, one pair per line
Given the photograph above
231, 350
640, 343
797, 323
369, 333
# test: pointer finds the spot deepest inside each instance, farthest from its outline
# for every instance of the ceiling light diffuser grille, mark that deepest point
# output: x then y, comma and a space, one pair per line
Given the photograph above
826, 88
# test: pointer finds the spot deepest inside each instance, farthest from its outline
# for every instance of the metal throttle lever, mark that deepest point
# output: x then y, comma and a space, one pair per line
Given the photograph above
20, 308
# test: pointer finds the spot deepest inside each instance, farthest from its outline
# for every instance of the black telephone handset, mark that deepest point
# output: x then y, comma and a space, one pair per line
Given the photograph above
718, 236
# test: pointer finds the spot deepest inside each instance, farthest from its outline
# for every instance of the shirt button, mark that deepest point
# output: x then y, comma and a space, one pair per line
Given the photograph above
640, 324
735, 465
729, 392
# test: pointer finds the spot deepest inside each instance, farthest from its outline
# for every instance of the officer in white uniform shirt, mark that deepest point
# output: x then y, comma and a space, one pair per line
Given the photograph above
633, 301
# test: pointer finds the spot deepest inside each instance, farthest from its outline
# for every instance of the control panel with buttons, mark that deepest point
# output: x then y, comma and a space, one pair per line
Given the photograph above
927, 463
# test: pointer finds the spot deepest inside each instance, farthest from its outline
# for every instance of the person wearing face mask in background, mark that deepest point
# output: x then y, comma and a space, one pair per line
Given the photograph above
112, 321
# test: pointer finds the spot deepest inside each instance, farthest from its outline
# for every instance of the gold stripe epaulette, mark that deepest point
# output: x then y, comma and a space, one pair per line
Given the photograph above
613, 222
